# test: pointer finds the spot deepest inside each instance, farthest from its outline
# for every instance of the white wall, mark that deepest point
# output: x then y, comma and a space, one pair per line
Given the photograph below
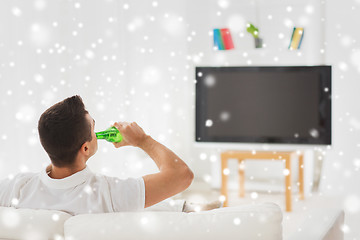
49, 51
341, 173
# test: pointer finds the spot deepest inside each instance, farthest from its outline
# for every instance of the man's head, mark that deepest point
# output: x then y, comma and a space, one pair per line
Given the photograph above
67, 131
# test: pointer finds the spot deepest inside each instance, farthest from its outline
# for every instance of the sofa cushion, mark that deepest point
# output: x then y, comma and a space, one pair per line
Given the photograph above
261, 221
31, 224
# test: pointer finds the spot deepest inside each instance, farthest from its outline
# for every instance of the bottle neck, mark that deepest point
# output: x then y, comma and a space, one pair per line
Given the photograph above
111, 134
101, 135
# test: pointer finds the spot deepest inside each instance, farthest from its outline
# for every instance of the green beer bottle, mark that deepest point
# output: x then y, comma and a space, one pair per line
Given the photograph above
111, 134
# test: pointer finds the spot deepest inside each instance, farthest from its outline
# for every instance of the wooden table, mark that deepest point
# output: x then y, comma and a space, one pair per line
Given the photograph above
241, 156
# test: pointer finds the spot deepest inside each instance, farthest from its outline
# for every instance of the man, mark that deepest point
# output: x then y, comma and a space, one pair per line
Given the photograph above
67, 134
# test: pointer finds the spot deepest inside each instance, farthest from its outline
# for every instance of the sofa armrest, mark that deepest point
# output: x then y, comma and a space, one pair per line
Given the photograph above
322, 224
31, 224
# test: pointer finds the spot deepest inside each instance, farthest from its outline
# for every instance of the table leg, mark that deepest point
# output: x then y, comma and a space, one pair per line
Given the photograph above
224, 165
301, 177
241, 178
288, 184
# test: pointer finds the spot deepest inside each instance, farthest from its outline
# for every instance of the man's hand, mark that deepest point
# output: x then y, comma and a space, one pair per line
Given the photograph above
133, 134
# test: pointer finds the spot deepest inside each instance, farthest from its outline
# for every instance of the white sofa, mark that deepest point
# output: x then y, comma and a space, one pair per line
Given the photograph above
261, 221
248, 222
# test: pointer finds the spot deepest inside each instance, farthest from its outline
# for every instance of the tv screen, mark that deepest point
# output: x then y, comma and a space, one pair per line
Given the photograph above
264, 104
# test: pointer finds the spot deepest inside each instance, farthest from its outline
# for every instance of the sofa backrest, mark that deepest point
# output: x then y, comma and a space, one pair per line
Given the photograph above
261, 221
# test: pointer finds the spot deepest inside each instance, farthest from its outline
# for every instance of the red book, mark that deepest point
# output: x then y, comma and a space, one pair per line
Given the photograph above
226, 36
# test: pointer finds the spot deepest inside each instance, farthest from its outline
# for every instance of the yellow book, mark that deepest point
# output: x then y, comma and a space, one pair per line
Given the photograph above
296, 38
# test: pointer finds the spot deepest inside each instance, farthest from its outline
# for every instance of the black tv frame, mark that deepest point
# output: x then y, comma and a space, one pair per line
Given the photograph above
325, 98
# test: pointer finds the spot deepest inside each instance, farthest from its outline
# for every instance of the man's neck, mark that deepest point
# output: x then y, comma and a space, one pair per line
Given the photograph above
59, 173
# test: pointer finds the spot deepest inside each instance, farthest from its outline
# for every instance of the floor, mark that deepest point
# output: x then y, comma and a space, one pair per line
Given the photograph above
200, 192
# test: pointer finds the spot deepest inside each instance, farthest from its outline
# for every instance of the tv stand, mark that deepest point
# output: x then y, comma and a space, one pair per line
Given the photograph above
241, 156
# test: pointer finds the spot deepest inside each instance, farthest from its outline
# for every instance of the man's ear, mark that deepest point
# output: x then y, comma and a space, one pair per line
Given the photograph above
85, 149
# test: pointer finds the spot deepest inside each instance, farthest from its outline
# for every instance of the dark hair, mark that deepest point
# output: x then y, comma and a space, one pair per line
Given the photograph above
63, 129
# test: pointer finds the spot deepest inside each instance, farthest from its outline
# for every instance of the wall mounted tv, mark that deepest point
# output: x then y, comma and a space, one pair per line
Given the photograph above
277, 104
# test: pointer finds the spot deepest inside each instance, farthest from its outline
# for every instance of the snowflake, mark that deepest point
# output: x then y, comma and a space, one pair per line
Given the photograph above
16, 11
208, 123
237, 221
203, 156
254, 195
55, 217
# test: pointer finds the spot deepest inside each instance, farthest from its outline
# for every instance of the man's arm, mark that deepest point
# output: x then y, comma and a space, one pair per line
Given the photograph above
174, 176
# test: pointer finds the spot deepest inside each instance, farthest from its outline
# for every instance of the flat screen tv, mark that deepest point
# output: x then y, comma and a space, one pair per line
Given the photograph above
280, 104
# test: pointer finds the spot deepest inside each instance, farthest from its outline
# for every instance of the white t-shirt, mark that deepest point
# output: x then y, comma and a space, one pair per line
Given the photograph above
81, 193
